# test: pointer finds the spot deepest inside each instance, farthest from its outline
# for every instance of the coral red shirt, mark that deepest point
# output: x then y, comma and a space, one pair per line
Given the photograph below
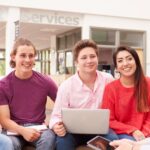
124, 118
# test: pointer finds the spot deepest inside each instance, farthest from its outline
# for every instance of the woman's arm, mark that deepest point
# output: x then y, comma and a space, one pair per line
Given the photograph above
110, 99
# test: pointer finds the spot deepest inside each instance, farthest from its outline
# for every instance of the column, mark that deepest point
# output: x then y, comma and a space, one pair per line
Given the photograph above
85, 29
85, 32
13, 16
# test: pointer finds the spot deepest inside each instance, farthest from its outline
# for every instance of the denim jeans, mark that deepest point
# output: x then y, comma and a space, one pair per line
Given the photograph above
71, 141
111, 135
45, 142
125, 136
5, 143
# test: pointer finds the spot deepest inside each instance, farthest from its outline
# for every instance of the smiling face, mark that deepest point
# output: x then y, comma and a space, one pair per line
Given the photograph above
126, 64
87, 61
24, 60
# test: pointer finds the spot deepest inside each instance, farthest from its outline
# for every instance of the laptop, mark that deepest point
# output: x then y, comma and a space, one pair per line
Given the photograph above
86, 121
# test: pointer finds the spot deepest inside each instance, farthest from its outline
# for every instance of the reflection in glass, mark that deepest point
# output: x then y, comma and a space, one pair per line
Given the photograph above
37, 66
134, 39
105, 60
103, 37
2, 54
2, 67
61, 62
69, 62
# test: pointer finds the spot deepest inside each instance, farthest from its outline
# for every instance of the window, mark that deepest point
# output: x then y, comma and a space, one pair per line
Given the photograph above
103, 37
61, 42
108, 40
2, 62
61, 62
69, 41
130, 38
65, 44
43, 61
69, 62
105, 60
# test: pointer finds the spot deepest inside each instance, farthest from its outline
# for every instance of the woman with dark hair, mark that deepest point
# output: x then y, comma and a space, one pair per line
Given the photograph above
128, 98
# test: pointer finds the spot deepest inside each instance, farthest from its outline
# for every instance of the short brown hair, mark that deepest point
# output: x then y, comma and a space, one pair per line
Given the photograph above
20, 42
83, 44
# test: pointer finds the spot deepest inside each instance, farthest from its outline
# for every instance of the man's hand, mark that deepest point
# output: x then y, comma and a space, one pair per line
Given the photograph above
59, 129
30, 134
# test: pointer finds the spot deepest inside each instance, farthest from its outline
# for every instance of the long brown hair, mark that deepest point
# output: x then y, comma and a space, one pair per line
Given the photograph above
140, 82
19, 42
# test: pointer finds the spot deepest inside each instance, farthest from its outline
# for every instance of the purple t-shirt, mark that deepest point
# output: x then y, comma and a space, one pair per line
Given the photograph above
27, 98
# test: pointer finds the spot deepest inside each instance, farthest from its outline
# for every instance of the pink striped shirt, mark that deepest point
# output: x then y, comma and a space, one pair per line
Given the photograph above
73, 93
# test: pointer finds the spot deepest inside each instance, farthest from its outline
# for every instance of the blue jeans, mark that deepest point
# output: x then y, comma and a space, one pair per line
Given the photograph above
125, 136
111, 135
45, 142
5, 143
71, 141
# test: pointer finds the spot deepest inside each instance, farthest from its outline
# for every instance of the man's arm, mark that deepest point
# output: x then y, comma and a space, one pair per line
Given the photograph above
8, 124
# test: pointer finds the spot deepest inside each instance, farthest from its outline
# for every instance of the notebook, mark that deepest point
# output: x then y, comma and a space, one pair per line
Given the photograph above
37, 127
86, 121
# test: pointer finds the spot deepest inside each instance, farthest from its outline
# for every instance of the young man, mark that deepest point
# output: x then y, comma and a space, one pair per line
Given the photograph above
82, 90
23, 95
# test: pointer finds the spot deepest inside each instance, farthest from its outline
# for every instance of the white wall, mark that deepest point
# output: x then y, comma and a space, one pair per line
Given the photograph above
117, 14
124, 8
125, 24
